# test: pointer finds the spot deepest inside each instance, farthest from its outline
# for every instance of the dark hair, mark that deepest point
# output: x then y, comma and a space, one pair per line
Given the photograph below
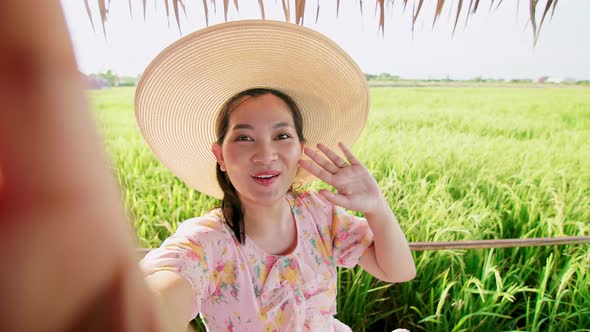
231, 206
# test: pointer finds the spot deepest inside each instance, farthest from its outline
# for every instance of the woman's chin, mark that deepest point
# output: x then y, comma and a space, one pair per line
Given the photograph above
264, 195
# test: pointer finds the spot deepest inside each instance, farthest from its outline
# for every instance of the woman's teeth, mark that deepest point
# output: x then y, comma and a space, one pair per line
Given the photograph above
265, 176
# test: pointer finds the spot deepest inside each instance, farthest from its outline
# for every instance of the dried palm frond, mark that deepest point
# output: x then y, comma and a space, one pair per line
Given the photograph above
417, 13
459, 6
261, 5
439, 7
380, 6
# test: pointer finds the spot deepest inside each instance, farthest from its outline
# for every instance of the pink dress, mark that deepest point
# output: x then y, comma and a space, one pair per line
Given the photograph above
240, 288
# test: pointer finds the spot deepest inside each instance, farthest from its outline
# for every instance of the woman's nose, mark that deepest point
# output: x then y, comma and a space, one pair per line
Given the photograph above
264, 153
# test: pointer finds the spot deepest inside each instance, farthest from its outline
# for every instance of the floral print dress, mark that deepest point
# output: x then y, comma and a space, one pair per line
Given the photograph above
241, 288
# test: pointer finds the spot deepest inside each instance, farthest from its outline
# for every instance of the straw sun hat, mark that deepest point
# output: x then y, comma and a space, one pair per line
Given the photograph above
181, 91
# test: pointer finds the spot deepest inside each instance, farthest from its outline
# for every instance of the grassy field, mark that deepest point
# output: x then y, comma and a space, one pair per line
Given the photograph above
454, 163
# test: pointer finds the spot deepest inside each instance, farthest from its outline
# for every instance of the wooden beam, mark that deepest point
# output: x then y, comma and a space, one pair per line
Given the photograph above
499, 243
474, 244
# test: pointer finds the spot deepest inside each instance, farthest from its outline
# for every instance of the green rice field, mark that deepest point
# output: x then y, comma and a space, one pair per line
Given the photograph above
455, 164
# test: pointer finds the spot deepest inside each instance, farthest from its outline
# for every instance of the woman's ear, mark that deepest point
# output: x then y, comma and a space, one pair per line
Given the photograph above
216, 149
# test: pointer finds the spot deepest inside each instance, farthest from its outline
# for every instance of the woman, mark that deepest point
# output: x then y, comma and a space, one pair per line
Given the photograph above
232, 110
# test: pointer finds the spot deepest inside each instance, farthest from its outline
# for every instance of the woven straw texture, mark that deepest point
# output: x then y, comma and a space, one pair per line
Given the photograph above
181, 91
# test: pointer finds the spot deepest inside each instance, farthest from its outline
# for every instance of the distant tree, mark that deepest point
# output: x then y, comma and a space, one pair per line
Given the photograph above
111, 77
128, 81
521, 80
370, 77
447, 79
387, 77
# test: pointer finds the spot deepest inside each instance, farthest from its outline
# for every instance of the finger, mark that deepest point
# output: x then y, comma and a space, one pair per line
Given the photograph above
335, 158
323, 162
335, 199
315, 170
43, 126
351, 158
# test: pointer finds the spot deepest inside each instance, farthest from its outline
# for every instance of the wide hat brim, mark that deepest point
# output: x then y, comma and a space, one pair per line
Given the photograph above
182, 90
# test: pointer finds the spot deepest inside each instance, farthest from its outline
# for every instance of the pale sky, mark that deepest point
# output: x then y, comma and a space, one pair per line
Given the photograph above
494, 44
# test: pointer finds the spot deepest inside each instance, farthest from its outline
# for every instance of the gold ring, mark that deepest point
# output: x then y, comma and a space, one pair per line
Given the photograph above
343, 165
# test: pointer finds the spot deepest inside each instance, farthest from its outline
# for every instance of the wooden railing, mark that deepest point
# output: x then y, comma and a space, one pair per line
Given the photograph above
476, 244
499, 243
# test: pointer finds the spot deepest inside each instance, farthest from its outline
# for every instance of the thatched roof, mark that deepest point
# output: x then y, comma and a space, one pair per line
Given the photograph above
462, 6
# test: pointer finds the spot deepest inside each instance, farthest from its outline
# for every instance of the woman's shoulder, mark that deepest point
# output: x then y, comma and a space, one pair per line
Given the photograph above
312, 201
207, 225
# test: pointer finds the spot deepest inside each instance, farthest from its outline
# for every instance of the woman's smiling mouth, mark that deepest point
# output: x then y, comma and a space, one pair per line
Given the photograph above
266, 178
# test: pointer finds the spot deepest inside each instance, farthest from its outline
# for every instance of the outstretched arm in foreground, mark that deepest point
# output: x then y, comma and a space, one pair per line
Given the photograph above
66, 251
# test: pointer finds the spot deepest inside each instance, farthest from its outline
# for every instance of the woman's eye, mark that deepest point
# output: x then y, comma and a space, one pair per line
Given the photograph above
283, 136
243, 138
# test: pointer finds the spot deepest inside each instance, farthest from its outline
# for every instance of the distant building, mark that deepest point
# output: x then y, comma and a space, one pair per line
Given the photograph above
569, 80
94, 81
541, 79
559, 80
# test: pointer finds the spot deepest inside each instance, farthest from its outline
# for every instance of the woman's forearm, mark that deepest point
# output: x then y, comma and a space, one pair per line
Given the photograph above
174, 300
392, 251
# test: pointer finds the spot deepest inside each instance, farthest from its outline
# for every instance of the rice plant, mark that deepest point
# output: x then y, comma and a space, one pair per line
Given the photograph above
455, 164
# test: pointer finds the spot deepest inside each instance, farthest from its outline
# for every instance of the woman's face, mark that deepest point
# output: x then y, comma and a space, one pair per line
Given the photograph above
261, 149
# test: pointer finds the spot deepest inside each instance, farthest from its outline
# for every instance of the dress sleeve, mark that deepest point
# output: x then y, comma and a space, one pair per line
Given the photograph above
351, 236
189, 254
